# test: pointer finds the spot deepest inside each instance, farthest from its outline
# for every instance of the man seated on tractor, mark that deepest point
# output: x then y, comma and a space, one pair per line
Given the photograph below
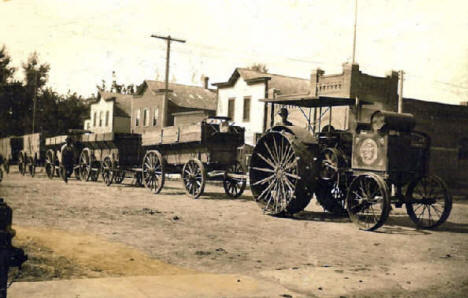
68, 151
283, 112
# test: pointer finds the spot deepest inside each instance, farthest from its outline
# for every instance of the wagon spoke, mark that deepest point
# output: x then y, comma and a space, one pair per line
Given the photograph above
263, 169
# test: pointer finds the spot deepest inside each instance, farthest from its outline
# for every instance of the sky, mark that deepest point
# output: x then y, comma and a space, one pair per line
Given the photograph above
85, 41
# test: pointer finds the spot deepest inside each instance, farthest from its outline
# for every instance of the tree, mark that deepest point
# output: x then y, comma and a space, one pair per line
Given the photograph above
35, 74
260, 67
6, 71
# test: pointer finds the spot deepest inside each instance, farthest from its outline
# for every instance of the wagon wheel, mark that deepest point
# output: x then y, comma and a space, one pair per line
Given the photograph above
234, 187
21, 164
32, 166
96, 171
282, 173
6, 166
194, 178
50, 164
428, 201
85, 165
368, 201
153, 172
332, 186
119, 177
108, 171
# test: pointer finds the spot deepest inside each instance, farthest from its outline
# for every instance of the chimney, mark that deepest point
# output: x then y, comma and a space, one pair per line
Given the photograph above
314, 79
205, 81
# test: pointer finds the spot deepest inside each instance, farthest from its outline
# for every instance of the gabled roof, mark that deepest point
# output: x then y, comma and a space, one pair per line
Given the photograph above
285, 84
123, 102
186, 96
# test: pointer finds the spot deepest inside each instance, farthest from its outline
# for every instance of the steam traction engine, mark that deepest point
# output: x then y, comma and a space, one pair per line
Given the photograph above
360, 172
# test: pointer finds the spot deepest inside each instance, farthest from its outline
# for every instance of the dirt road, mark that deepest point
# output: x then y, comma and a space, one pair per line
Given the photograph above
80, 229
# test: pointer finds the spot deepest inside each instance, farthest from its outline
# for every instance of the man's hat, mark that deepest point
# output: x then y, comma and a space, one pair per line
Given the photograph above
68, 139
283, 112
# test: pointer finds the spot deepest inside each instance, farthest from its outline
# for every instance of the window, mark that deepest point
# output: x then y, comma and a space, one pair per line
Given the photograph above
137, 117
88, 125
100, 118
107, 118
463, 149
246, 116
145, 117
231, 106
155, 116
94, 119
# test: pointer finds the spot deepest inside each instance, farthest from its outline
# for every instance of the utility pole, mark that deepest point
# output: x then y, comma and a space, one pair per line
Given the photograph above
400, 91
34, 101
354, 38
166, 95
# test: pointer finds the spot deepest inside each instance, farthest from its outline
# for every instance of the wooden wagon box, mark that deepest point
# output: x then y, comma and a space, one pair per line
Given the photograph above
34, 145
10, 147
125, 148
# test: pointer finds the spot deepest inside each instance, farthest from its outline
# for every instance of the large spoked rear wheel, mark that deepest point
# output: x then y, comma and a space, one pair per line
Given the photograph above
85, 165
428, 202
153, 171
282, 173
234, 183
107, 170
194, 178
32, 166
50, 164
368, 201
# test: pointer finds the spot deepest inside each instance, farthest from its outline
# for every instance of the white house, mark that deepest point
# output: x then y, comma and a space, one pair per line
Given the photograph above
110, 114
239, 98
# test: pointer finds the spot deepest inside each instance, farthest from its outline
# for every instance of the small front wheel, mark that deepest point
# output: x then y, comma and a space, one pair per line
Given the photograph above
428, 202
368, 201
234, 182
194, 178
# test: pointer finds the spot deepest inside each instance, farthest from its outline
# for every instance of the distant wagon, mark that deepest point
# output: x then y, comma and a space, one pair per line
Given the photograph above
111, 155
54, 166
10, 148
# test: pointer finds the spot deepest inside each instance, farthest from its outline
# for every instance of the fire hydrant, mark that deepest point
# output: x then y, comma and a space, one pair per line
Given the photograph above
10, 256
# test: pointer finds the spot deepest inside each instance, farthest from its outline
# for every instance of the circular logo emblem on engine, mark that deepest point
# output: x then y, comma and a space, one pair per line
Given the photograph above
368, 151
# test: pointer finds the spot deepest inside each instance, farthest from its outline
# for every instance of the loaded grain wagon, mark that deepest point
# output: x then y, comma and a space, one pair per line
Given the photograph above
201, 151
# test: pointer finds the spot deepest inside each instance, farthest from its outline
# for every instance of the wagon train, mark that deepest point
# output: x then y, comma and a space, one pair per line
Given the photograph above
206, 150
360, 171
112, 155
10, 148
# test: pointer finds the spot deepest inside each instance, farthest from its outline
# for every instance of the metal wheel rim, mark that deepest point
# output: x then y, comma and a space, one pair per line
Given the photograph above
428, 202
153, 172
279, 170
368, 202
49, 166
194, 176
85, 167
107, 171
234, 187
